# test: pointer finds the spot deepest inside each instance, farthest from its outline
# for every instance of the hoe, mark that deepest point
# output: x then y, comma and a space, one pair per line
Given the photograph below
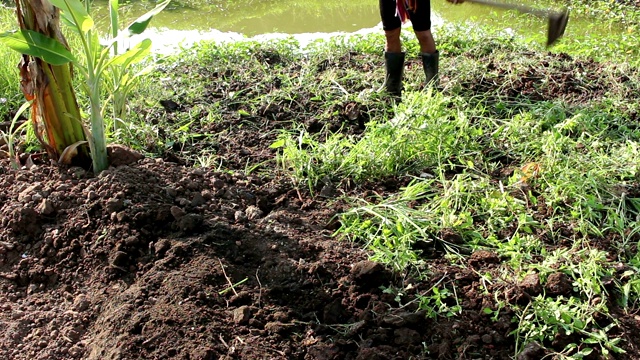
557, 19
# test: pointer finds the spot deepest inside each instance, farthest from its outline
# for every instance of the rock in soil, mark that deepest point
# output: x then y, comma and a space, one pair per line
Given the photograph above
483, 257
531, 284
559, 284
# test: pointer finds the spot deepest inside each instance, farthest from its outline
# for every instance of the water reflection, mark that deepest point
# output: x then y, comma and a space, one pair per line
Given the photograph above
253, 17
188, 21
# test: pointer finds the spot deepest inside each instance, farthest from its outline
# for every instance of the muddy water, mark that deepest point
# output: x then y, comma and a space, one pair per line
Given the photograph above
254, 17
186, 21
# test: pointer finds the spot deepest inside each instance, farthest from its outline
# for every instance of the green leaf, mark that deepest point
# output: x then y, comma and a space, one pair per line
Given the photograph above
38, 45
133, 55
278, 144
141, 23
585, 352
616, 349
184, 128
76, 13
113, 17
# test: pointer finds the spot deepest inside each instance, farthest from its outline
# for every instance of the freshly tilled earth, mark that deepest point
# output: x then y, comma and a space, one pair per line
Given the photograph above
159, 261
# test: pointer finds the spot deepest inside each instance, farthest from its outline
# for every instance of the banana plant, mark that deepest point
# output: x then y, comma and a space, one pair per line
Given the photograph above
46, 70
45, 76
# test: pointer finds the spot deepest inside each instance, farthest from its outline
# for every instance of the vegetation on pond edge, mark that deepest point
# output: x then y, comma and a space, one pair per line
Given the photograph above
530, 155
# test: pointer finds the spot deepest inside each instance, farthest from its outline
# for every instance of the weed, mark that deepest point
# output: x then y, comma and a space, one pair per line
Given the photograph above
441, 302
545, 319
9, 137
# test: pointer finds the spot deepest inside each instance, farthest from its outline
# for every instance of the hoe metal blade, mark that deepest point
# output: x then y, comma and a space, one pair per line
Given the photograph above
557, 25
557, 19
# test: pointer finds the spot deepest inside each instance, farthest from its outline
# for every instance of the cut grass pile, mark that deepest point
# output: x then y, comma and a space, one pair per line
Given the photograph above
514, 159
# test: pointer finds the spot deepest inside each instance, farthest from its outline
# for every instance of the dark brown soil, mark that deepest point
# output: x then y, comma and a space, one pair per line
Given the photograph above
158, 261
155, 259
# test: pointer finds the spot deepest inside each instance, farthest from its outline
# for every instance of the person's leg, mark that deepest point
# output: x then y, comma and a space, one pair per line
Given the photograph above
393, 43
430, 56
421, 21
393, 55
391, 25
427, 44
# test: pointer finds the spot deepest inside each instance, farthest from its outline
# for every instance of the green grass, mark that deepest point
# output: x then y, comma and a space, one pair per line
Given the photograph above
586, 159
571, 204
582, 189
11, 98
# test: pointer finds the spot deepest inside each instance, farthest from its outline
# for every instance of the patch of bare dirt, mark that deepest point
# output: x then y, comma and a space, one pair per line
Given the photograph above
159, 261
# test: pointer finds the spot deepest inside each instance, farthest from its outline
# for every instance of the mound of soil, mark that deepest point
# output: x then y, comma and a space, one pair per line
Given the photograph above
159, 261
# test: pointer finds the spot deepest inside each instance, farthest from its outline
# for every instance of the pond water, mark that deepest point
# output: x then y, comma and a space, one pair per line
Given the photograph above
185, 21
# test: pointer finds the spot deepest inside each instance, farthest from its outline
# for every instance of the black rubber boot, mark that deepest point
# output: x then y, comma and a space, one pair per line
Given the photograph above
394, 65
430, 65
